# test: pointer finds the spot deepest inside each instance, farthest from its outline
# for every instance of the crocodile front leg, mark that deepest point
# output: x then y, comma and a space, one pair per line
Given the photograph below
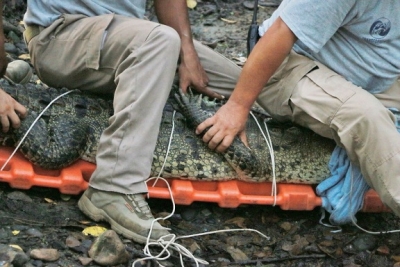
240, 157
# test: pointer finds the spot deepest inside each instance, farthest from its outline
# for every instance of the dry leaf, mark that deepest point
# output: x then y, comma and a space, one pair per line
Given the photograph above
228, 21
94, 230
383, 250
239, 221
48, 200
191, 3
24, 56
16, 247
15, 232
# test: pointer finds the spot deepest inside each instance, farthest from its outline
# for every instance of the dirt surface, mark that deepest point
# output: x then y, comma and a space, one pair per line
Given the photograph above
42, 218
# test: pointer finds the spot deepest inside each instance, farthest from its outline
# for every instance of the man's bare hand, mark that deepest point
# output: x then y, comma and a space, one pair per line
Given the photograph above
11, 112
229, 121
192, 74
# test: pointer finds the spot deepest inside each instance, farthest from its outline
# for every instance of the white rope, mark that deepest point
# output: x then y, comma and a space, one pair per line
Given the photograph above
171, 136
268, 140
33, 124
169, 241
354, 220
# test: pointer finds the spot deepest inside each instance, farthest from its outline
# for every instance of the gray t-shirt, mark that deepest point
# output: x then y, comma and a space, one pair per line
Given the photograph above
44, 12
359, 40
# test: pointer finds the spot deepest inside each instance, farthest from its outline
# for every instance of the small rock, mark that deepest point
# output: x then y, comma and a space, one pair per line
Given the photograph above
18, 195
364, 242
189, 214
34, 232
72, 242
85, 261
20, 259
45, 254
237, 254
286, 226
37, 263
11, 35
10, 48
87, 243
108, 249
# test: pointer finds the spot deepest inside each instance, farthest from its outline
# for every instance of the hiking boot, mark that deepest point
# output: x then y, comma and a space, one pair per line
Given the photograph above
18, 71
128, 215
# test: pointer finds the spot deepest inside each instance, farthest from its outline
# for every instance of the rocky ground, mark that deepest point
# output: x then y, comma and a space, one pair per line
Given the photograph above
41, 227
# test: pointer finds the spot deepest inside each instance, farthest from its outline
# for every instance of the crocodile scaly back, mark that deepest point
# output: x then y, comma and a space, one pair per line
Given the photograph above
67, 130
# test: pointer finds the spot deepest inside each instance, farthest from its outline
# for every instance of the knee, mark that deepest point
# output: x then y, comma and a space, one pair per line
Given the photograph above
167, 38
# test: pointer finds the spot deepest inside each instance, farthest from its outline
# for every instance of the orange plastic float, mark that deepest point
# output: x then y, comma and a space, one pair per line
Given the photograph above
20, 173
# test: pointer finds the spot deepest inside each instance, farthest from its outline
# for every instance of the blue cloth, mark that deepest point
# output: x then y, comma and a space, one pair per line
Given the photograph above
339, 198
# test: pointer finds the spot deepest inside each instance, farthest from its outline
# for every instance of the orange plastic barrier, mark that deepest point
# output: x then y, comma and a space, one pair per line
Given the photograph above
20, 173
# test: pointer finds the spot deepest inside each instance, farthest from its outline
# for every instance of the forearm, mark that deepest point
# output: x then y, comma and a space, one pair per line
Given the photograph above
174, 14
262, 63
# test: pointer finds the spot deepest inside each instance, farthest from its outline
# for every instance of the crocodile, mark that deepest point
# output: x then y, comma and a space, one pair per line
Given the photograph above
69, 129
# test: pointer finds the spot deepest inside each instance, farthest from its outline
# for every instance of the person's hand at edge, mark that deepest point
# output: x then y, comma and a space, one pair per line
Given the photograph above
174, 13
11, 111
193, 75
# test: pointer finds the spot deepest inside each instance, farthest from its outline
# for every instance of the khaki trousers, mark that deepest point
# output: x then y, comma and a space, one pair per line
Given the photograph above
134, 59
335, 108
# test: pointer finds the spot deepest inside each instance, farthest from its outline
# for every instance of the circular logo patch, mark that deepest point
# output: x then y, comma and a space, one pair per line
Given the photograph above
380, 28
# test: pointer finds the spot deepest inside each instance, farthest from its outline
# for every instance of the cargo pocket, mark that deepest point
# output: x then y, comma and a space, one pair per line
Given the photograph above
332, 83
97, 37
318, 97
